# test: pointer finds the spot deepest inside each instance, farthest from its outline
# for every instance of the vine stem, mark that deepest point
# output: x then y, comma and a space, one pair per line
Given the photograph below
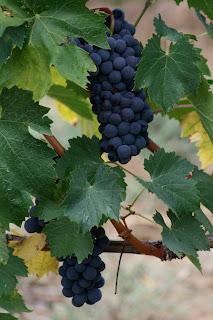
148, 4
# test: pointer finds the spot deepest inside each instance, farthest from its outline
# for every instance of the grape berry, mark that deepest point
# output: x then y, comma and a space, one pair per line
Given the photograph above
123, 114
34, 224
82, 281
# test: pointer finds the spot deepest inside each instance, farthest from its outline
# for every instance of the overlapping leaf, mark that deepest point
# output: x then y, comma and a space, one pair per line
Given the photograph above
73, 98
193, 129
65, 238
202, 101
47, 42
185, 236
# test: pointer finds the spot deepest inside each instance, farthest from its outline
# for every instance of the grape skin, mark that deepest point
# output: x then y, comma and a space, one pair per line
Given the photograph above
82, 281
123, 114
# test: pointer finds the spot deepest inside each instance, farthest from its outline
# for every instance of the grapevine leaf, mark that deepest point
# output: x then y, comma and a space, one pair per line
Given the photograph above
185, 236
73, 99
91, 191
164, 31
75, 68
8, 273
38, 261
205, 6
168, 181
30, 247
42, 264
205, 186
85, 149
27, 111
4, 256
195, 260
6, 316
204, 221
7, 20
28, 70
208, 26
65, 238
193, 128
202, 101
177, 71
10, 38
13, 302
20, 154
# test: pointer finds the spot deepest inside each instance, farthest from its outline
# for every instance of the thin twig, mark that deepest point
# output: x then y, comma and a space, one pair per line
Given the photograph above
136, 198
134, 213
145, 8
119, 266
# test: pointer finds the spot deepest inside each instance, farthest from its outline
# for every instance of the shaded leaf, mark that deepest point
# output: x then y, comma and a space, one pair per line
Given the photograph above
65, 239
73, 99
185, 235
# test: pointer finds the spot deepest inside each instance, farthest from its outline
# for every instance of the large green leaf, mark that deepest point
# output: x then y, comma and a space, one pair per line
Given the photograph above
8, 273
85, 149
168, 181
26, 110
65, 239
73, 64
185, 236
91, 192
177, 71
202, 101
13, 302
77, 101
51, 25
25, 161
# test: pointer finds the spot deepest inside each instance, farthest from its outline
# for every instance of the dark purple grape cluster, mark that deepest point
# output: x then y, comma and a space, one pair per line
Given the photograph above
34, 224
123, 114
82, 281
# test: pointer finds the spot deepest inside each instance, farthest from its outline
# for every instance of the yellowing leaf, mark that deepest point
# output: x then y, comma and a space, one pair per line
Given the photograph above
57, 78
30, 247
66, 113
194, 130
42, 264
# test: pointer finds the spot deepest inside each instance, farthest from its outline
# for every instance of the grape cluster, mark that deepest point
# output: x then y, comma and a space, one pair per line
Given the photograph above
123, 114
82, 281
34, 224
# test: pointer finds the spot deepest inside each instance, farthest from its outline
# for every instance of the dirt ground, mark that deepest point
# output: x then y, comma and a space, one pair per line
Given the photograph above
148, 289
